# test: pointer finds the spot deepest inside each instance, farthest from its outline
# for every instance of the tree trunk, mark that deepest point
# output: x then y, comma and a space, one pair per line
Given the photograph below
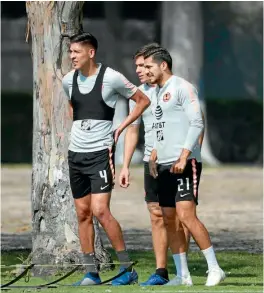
114, 21
55, 233
182, 35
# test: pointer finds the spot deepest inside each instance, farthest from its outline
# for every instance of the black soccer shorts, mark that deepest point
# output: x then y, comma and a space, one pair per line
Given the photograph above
179, 187
150, 185
91, 172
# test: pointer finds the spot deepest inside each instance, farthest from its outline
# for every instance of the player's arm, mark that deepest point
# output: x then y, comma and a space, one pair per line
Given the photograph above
129, 91
142, 102
191, 106
131, 140
202, 134
131, 137
152, 164
153, 160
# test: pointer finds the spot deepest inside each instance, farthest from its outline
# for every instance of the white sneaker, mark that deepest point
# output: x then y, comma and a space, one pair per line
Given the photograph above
177, 281
215, 276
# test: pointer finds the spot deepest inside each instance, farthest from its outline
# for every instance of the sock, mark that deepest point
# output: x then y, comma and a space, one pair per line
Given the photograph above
210, 258
180, 261
123, 258
89, 258
163, 273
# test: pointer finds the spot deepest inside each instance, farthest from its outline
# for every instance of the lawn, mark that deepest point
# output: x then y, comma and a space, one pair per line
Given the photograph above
244, 274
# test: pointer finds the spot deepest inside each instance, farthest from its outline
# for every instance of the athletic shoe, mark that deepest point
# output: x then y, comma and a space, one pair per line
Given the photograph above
215, 276
127, 278
154, 280
89, 279
177, 281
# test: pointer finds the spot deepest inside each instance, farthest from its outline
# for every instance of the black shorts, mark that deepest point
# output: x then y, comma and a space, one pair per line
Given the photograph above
150, 185
91, 172
179, 187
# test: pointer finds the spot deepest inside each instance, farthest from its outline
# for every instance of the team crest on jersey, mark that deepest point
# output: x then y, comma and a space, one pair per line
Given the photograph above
166, 97
86, 124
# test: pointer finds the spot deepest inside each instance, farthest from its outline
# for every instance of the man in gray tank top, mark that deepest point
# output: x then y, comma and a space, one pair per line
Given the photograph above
178, 124
92, 90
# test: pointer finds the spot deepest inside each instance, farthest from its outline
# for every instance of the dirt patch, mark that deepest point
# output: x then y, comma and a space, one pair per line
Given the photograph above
230, 205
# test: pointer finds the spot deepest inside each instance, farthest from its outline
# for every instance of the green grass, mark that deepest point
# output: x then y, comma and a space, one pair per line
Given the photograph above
244, 274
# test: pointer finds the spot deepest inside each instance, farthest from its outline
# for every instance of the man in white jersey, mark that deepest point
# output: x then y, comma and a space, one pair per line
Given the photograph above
159, 236
178, 125
92, 90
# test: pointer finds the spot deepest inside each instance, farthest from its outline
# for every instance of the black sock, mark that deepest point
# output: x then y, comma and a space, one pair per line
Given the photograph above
89, 258
163, 273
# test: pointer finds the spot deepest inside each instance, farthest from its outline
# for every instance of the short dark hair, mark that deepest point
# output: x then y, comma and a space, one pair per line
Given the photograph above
85, 38
142, 50
159, 55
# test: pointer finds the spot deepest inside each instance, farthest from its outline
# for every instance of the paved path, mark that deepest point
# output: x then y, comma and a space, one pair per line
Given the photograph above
230, 205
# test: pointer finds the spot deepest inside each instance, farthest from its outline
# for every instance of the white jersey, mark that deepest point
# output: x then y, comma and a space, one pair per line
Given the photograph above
178, 120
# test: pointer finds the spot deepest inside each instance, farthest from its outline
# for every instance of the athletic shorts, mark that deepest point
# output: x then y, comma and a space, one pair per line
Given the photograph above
150, 185
179, 187
91, 172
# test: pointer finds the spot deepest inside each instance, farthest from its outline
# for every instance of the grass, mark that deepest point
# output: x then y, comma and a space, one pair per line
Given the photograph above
244, 274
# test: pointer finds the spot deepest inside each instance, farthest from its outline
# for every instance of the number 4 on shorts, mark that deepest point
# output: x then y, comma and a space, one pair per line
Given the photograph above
103, 175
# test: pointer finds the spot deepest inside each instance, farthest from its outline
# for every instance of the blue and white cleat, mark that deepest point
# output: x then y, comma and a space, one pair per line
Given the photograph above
127, 278
89, 279
154, 280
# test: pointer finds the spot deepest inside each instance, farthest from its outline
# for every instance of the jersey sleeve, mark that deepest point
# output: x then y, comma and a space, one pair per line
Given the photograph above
122, 85
65, 84
132, 105
191, 106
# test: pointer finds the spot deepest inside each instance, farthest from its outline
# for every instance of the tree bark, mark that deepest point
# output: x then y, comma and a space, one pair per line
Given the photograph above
55, 233
182, 35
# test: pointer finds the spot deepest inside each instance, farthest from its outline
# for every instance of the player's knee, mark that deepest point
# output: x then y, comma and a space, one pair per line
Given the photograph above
84, 215
184, 217
101, 213
154, 210
168, 220
157, 219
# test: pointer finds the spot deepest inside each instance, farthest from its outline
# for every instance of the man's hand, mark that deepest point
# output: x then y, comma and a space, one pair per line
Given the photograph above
152, 164
117, 133
124, 177
153, 169
178, 166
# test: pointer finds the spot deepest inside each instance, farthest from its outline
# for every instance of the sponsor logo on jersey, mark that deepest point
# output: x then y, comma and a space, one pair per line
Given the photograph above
86, 124
158, 112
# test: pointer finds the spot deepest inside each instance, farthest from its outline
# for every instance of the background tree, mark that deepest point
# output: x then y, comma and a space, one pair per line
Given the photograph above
182, 35
54, 224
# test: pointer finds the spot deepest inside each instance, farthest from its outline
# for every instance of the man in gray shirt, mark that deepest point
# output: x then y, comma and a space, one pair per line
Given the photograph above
178, 124
159, 235
92, 90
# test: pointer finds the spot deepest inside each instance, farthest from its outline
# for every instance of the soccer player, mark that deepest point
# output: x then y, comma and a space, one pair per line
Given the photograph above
178, 125
92, 90
159, 236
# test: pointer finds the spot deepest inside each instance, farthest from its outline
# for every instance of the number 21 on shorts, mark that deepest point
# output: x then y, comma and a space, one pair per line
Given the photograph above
183, 186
